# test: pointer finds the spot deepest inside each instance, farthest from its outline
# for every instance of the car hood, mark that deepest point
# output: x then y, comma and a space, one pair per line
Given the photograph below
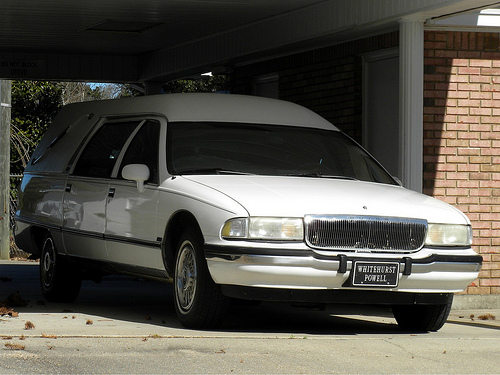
299, 196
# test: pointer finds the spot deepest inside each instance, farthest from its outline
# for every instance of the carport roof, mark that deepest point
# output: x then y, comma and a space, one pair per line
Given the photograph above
156, 40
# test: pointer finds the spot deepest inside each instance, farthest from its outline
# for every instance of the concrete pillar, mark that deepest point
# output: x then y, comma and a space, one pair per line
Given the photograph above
5, 100
411, 97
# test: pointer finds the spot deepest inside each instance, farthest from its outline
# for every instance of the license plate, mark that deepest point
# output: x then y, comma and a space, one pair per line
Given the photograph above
376, 274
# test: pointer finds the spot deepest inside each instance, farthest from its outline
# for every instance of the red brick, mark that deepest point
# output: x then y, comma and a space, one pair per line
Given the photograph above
459, 94
482, 63
468, 135
480, 159
457, 159
480, 79
457, 143
459, 111
469, 151
457, 175
469, 86
480, 143
490, 87
480, 127
490, 71
490, 120
460, 62
468, 184
468, 70
481, 111
489, 282
468, 103
469, 54
478, 290
469, 119
480, 176
481, 95
470, 168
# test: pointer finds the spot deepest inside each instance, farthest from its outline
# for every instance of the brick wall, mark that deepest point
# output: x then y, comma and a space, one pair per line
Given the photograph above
462, 137
328, 80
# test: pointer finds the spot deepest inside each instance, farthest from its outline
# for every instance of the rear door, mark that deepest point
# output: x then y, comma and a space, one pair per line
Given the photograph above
87, 188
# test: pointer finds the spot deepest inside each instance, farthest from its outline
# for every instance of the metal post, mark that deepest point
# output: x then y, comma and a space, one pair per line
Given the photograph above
5, 108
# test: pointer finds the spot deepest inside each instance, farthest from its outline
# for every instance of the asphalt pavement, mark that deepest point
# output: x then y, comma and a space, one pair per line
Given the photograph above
126, 325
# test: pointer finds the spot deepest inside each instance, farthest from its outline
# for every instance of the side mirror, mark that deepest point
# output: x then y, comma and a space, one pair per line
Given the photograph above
138, 173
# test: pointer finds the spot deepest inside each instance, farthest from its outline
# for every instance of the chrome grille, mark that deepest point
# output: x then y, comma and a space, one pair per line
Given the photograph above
365, 233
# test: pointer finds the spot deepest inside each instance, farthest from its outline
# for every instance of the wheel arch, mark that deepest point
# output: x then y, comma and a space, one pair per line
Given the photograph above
38, 235
173, 232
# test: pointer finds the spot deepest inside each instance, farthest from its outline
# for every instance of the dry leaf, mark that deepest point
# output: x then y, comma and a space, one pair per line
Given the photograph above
487, 317
46, 336
14, 346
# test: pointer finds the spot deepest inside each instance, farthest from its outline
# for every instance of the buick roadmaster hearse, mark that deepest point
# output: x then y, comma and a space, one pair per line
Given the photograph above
232, 197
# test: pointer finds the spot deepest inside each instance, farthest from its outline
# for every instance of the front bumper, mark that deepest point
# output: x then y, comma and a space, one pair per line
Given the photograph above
439, 272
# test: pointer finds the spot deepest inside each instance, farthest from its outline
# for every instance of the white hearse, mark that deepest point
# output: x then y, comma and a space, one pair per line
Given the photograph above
231, 196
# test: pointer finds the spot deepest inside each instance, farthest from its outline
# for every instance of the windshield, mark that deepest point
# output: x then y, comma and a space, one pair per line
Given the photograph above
220, 148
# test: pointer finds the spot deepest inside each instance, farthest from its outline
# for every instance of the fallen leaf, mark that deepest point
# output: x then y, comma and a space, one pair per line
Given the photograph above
29, 325
14, 346
46, 336
89, 322
487, 317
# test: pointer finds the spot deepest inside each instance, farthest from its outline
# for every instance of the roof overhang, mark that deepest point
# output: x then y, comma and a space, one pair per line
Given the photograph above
138, 41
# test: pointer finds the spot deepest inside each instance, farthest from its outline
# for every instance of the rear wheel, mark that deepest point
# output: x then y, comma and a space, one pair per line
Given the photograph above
422, 318
199, 302
60, 279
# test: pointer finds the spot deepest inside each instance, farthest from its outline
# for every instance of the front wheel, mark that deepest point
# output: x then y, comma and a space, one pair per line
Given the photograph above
59, 278
199, 302
423, 318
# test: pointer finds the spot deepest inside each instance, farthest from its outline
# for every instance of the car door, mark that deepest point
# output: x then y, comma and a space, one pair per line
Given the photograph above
131, 216
87, 188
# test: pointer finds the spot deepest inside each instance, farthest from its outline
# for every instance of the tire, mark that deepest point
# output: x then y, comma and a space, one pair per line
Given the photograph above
422, 318
199, 302
60, 279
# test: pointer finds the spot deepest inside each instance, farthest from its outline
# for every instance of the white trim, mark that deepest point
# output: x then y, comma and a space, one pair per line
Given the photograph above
411, 92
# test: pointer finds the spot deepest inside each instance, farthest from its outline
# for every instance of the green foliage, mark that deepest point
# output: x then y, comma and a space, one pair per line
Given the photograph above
34, 105
206, 84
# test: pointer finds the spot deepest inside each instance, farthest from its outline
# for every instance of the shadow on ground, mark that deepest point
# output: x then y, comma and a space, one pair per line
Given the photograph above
151, 303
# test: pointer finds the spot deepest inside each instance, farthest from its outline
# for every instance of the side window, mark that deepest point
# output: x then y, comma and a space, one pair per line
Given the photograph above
144, 149
99, 156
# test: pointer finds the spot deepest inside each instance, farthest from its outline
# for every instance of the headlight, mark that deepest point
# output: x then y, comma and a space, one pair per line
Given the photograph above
448, 235
264, 228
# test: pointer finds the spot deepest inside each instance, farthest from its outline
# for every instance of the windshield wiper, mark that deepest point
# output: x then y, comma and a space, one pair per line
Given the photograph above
211, 171
321, 175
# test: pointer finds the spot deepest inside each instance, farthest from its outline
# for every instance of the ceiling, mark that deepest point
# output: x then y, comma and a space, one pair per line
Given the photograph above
156, 40
125, 26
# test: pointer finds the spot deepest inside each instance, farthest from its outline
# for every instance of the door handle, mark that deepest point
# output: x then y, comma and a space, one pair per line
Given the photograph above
111, 192
68, 188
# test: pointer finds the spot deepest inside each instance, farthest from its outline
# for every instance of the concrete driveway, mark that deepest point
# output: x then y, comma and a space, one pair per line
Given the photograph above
127, 325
